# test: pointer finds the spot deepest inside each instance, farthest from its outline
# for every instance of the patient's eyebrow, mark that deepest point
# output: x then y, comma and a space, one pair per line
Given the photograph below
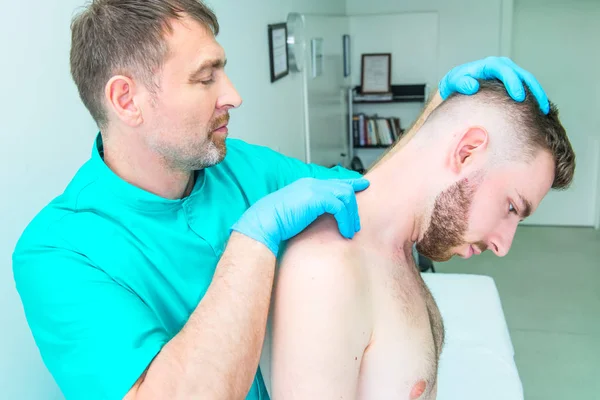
217, 63
526, 209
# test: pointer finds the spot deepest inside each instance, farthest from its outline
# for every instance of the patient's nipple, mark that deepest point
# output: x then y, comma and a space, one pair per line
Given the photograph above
418, 390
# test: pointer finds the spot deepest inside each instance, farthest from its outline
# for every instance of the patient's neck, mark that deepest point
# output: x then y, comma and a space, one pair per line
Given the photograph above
393, 210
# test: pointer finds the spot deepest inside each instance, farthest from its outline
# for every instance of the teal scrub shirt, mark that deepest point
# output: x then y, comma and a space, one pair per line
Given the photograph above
108, 273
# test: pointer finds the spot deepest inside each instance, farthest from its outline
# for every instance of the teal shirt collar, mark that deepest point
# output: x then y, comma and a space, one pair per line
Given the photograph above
131, 194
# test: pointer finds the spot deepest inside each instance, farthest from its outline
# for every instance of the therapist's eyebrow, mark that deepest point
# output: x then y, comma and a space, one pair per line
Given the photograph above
526, 209
207, 65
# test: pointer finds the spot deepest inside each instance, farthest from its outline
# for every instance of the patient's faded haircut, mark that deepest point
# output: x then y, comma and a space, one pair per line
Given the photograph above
518, 130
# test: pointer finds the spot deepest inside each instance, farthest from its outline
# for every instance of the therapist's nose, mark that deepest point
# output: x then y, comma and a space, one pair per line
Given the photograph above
229, 97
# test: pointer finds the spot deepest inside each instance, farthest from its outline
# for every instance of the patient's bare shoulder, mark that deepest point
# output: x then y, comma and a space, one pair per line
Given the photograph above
321, 316
324, 231
321, 275
322, 252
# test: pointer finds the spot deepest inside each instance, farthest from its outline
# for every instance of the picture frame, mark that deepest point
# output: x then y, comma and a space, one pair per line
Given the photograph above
376, 74
278, 51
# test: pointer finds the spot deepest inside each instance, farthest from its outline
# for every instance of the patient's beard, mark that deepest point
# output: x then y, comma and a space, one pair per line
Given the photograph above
449, 221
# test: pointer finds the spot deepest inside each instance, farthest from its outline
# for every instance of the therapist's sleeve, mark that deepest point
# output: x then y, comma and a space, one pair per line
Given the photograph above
285, 170
95, 336
292, 169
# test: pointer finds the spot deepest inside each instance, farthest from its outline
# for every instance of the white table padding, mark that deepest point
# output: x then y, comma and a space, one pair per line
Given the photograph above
478, 358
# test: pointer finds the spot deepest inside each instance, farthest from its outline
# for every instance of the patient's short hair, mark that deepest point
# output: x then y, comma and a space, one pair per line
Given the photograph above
125, 37
529, 129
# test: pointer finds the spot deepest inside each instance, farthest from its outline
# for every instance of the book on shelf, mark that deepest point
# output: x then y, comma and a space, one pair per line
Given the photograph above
374, 131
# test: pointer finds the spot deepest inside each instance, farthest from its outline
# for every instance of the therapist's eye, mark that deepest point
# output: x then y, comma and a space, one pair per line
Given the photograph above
204, 80
512, 209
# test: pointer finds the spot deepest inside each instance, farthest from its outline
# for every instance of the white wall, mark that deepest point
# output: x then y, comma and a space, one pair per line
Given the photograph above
468, 29
414, 61
558, 41
319, 7
46, 134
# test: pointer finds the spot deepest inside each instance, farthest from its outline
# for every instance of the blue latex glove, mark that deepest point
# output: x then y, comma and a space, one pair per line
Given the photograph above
285, 213
463, 79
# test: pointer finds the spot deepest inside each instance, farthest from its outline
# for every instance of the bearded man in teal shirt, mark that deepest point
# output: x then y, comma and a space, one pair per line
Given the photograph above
151, 275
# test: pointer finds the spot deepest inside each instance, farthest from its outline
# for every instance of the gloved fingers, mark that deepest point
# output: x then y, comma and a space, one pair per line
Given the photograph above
352, 207
459, 80
333, 205
358, 185
352, 175
467, 85
535, 87
508, 76
345, 191
444, 86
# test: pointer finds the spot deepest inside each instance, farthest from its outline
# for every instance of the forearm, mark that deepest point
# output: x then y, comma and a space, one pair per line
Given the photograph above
216, 354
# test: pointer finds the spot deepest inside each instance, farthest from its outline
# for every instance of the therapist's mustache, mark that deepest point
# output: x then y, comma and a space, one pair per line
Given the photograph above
219, 122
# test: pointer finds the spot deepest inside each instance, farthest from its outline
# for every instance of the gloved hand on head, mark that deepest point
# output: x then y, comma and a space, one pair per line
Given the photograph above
463, 79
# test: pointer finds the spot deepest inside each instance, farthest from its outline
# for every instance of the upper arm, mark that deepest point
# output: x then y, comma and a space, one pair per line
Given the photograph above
320, 324
95, 336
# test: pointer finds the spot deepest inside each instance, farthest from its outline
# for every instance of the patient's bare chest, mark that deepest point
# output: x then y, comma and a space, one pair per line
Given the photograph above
403, 352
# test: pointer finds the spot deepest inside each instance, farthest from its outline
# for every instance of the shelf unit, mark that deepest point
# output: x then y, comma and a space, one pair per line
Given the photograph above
415, 93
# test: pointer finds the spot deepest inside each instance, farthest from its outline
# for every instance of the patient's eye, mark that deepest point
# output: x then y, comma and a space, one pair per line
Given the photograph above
511, 208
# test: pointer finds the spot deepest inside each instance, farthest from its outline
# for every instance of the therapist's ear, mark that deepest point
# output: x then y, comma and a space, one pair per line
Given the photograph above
121, 94
472, 144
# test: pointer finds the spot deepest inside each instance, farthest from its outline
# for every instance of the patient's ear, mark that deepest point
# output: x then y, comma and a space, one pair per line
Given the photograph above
470, 146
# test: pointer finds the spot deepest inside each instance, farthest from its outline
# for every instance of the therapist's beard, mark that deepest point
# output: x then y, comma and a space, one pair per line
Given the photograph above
195, 156
449, 221
216, 149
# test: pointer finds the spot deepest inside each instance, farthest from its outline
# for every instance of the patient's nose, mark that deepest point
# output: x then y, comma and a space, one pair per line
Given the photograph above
501, 243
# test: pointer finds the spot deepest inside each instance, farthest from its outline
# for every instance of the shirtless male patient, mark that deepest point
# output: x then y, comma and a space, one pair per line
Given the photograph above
353, 319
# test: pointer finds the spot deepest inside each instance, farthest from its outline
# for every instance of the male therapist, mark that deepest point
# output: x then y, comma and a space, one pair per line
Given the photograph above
151, 275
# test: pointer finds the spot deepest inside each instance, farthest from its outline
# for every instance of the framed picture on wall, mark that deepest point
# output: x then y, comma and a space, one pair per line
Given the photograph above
278, 51
376, 75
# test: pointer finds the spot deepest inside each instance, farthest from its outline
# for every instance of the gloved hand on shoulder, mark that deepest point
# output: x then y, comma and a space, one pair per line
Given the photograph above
285, 213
